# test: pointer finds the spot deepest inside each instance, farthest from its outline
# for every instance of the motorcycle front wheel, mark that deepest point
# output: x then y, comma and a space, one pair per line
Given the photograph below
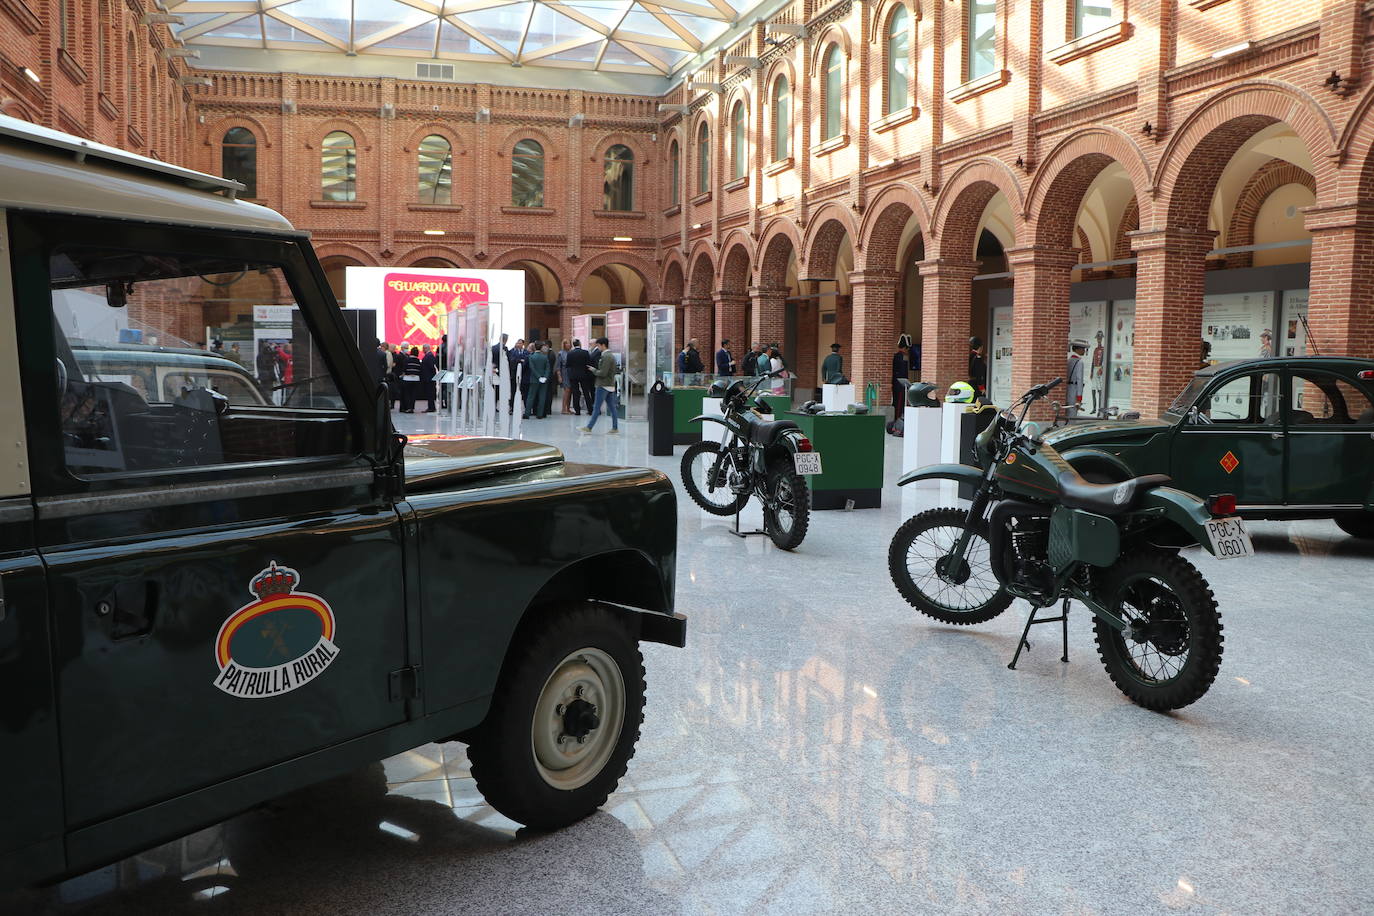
706, 476
1171, 651
787, 508
918, 561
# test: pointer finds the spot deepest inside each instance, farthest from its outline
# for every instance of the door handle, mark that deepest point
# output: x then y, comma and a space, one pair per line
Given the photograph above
1276, 435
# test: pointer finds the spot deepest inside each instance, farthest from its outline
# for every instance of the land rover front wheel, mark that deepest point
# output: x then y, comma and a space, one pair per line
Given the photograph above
564, 719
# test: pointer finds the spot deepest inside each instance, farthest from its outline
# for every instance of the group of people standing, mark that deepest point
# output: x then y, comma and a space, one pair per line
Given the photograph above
407, 373
576, 372
760, 360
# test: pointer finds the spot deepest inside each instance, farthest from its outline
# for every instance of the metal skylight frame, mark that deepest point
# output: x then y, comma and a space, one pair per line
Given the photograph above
598, 26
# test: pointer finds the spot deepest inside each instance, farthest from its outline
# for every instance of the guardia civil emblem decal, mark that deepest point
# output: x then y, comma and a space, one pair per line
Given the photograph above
281, 641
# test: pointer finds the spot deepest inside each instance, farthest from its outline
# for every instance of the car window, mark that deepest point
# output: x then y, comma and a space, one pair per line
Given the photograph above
140, 391
1322, 398
1248, 399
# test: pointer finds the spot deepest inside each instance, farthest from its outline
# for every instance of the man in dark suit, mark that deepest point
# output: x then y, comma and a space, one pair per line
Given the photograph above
725, 363
580, 377
429, 368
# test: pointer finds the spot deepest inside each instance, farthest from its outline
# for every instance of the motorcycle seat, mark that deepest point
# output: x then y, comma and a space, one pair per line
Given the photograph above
767, 431
1107, 498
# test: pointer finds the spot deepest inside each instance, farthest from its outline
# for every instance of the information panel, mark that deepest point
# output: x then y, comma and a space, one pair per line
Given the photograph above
999, 356
1237, 325
1121, 346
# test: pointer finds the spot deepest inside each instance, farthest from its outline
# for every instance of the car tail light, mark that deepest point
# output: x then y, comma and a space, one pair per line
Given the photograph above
804, 444
1366, 374
1222, 504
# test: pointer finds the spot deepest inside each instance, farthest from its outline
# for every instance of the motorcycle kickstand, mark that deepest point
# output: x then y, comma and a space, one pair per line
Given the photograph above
744, 534
1031, 621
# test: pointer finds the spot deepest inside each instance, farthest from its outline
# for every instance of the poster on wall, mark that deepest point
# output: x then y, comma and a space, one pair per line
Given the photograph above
1237, 325
1292, 331
1088, 322
415, 303
999, 356
1121, 347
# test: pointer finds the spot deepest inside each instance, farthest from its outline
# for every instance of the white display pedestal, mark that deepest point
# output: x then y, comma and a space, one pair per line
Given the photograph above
837, 397
952, 417
921, 437
711, 407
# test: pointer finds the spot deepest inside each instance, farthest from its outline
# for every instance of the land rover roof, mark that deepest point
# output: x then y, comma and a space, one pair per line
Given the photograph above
47, 170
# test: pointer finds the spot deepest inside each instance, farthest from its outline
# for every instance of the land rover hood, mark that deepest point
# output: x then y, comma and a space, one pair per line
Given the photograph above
435, 461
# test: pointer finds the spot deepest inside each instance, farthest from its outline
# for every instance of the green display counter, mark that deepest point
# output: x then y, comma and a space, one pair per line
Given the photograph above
780, 403
851, 447
687, 404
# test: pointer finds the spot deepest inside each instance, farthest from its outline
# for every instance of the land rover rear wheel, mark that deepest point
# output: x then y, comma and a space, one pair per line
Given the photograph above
564, 719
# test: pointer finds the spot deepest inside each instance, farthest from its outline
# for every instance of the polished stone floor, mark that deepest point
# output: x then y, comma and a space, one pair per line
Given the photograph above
820, 747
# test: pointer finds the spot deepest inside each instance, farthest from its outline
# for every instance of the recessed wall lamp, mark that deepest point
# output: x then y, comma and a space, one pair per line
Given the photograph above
697, 225
434, 232
622, 238
1240, 48
30, 74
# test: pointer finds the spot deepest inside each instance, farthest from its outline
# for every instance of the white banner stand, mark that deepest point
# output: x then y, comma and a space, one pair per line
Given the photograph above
837, 397
711, 407
921, 439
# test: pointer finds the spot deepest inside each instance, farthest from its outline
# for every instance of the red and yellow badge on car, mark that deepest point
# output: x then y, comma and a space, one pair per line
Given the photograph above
1229, 462
273, 645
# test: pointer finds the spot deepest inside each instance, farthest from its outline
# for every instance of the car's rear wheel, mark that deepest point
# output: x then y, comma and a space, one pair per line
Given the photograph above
564, 719
1357, 526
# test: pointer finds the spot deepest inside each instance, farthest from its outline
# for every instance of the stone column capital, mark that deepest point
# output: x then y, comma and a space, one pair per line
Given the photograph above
690, 301
874, 277
1349, 214
1047, 256
730, 295
768, 292
1192, 241
948, 267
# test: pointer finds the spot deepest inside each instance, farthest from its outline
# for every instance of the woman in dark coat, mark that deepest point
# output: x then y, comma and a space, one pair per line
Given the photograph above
410, 380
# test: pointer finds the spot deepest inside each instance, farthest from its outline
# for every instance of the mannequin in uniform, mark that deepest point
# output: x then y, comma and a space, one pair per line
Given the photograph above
1074, 374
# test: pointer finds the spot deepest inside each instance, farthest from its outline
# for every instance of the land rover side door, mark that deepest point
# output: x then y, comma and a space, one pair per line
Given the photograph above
225, 588
1330, 440
1232, 440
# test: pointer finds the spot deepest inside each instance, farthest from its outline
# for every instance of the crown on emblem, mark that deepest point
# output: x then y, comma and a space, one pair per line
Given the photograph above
274, 580
422, 299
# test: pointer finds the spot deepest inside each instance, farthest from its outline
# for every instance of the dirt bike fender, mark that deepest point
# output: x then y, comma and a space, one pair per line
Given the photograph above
1182, 509
964, 473
709, 418
1083, 459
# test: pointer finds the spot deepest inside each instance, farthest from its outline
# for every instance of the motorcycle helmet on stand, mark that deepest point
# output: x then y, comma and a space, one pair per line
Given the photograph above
960, 393
919, 394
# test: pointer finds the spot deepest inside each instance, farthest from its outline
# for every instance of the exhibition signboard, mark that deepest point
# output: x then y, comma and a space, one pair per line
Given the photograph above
414, 303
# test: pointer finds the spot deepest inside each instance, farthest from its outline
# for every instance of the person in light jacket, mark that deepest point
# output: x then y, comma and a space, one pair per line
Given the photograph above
606, 394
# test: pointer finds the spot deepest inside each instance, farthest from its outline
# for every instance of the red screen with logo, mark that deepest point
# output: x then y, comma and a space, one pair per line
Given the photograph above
415, 306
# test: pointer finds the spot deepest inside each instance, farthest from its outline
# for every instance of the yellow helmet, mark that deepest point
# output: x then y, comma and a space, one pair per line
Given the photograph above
960, 393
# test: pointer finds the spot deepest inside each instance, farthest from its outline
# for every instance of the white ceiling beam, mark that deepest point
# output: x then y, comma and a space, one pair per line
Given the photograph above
525, 33
656, 62
694, 41
696, 9
476, 34
656, 41
581, 18
210, 25
390, 31
313, 31
725, 9
559, 48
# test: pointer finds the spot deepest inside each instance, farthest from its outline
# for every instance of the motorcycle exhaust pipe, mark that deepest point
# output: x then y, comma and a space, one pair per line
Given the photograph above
999, 538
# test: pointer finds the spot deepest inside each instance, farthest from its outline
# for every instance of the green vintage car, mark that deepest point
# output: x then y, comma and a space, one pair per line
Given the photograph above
210, 596
1290, 437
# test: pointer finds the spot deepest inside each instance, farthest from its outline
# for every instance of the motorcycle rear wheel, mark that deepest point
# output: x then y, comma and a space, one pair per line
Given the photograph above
699, 462
789, 493
1176, 656
913, 558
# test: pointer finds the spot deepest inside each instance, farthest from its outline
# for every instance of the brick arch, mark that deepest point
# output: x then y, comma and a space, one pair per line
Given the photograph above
673, 284
832, 34
1063, 177
824, 231
538, 256
441, 128
882, 14
884, 221
1356, 149
1130, 222
615, 287
1267, 179
352, 128
959, 208
607, 141
702, 273
420, 252
780, 240
634, 262
214, 133
1200, 149
327, 250
735, 266
1084, 246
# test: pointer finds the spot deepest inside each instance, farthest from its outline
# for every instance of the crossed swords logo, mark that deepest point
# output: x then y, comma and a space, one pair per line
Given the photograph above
426, 322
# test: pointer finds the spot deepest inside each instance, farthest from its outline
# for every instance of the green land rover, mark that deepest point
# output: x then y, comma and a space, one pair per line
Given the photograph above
211, 595
1291, 437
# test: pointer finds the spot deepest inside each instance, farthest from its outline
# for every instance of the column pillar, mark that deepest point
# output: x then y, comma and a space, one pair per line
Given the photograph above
946, 291
769, 319
1040, 319
1342, 283
731, 309
873, 334
568, 309
1169, 280
698, 314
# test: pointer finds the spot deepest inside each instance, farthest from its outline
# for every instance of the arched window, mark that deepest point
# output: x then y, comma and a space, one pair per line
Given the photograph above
737, 142
339, 167
618, 179
782, 119
898, 61
436, 171
703, 158
239, 159
527, 174
674, 174
834, 91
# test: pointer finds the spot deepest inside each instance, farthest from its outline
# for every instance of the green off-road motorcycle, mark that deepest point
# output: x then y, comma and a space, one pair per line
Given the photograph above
1036, 530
